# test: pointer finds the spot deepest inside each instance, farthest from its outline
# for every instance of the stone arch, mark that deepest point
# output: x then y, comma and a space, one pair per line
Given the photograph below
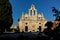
26, 28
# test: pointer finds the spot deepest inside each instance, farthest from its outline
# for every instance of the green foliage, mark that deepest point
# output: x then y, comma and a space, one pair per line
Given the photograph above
5, 13
56, 13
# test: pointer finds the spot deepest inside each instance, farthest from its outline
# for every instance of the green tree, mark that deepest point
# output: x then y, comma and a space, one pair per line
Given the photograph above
6, 19
56, 13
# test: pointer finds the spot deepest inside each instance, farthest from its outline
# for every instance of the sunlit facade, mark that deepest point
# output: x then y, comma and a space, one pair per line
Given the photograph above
32, 21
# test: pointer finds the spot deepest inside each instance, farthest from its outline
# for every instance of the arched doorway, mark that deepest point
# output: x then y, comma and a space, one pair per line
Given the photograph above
39, 28
26, 28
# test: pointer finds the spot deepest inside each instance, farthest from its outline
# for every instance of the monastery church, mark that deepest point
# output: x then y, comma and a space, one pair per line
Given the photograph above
32, 21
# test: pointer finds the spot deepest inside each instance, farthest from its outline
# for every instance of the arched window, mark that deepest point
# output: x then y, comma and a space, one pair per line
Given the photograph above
39, 23
39, 17
34, 12
26, 17
31, 12
26, 23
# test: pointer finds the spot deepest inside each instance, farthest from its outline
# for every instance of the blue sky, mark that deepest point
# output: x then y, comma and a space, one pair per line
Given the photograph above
45, 6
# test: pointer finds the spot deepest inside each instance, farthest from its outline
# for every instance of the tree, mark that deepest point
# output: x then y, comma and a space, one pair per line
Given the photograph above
56, 13
48, 29
6, 19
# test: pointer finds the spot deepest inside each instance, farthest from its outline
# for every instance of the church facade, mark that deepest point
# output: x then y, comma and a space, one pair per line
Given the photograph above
32, 21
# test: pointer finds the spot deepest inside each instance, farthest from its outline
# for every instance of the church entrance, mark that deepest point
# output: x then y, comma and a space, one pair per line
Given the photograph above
26, 28
39, 28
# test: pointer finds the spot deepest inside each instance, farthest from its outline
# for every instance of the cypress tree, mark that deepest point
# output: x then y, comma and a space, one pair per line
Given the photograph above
6, 19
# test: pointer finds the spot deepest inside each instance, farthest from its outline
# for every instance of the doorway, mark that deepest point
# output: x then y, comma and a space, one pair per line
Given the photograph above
26, 28
39, 28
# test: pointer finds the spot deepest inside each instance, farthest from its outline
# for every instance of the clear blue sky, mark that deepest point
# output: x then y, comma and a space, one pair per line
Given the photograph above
45, 6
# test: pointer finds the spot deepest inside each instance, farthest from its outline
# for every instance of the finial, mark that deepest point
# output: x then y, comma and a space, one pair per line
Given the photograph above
22, 13
42, 13
32, 6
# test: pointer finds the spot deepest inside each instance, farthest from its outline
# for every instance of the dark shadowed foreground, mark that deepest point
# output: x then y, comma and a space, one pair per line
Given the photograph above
29, 36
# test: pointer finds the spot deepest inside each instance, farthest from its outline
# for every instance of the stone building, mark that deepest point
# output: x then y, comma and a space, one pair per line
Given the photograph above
14, 28
55, 24
32, 21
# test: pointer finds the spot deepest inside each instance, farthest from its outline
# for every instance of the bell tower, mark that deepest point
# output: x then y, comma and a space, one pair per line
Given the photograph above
32, 11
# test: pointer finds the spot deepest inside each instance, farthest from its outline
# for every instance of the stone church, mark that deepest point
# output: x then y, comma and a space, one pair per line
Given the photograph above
32, 21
